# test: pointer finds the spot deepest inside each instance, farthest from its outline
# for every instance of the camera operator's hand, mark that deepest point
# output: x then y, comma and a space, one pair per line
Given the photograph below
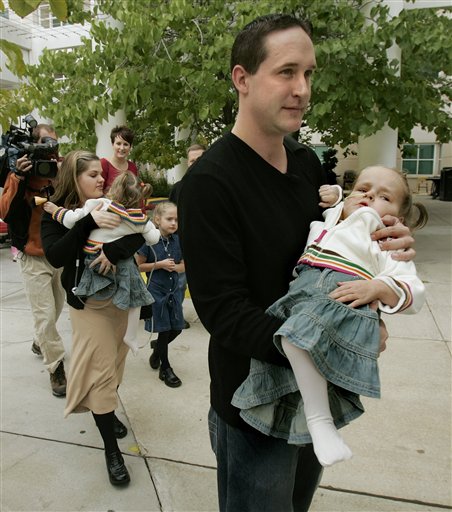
23, 165
105, 219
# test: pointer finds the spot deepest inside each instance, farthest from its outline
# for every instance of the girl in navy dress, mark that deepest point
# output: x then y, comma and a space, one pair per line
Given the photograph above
163, 263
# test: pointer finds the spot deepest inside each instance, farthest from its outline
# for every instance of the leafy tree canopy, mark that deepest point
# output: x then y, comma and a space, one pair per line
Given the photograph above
166, 64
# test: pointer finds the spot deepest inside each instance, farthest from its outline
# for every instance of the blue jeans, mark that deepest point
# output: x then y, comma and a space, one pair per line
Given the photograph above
258, 473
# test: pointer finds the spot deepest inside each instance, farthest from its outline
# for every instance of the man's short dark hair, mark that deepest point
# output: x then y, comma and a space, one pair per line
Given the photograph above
123, 132
36, 133
249, 48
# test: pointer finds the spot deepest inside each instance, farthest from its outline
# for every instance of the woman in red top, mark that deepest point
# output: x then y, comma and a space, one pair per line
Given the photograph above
121, 140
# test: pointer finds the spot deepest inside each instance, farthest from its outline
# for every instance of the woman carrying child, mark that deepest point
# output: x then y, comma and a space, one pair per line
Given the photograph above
98, 326
123, 284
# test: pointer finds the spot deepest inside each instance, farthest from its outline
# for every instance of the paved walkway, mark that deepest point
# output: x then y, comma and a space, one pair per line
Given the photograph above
402, 446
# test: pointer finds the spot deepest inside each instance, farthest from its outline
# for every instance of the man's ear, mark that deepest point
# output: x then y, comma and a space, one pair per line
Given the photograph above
239, 77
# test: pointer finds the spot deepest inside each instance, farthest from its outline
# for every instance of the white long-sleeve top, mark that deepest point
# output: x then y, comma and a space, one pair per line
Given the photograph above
133, 220
346, 246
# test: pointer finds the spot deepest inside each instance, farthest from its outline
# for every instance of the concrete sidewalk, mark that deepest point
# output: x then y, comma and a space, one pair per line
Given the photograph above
401, 446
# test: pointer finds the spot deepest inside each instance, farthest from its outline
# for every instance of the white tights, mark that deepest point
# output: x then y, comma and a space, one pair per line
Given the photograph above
328, 444
130, 337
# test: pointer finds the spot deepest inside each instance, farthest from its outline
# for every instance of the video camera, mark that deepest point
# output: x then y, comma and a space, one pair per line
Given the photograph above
18, 142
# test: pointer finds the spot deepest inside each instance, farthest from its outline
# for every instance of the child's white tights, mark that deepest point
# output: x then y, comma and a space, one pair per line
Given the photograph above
131, 335
328, 444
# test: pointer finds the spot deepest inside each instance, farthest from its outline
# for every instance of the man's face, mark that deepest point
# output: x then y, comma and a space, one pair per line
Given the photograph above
193, 155
45, 133
278, 94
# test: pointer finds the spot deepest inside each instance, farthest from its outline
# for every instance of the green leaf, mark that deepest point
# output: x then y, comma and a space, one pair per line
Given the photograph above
59, 9
14, 55
24, 7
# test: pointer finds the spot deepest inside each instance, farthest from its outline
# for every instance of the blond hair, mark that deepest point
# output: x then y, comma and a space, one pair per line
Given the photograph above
128, 190
160, 210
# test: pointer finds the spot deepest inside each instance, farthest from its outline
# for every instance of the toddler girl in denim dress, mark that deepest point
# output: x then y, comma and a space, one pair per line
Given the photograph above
330, 332
125, 287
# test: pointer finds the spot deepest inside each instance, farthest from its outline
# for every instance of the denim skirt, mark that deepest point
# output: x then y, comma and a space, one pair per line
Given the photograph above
271, 403
343, 342
125, 287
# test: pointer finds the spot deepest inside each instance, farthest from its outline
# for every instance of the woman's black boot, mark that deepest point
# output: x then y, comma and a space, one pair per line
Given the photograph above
117, 471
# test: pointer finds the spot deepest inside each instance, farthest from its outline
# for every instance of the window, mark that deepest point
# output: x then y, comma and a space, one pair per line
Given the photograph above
46, 18
319, 149
418, 158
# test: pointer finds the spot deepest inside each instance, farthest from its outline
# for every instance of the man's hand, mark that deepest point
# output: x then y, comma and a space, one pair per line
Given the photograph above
23, 165
395, 237
383, 336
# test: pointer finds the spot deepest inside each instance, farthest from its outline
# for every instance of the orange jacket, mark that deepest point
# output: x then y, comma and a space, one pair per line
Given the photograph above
18, 209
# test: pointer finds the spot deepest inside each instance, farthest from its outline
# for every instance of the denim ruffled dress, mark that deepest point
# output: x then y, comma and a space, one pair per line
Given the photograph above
125, 287
343, 342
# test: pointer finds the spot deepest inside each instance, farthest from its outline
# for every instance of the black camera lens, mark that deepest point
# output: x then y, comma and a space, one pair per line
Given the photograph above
45, 168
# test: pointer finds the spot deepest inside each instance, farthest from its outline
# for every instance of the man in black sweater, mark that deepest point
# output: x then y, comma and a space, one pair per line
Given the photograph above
244, 215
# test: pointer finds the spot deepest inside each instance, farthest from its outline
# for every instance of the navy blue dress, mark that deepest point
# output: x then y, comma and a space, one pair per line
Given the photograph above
167, 312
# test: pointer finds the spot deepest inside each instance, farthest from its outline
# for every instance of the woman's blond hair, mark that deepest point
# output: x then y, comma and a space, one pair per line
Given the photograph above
67, 191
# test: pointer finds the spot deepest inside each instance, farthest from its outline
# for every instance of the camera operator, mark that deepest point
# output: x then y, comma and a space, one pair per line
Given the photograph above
41, 281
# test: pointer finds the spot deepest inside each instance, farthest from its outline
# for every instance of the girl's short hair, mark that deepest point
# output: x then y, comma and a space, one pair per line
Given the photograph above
67, 191
161, 208
123, 132
129, 190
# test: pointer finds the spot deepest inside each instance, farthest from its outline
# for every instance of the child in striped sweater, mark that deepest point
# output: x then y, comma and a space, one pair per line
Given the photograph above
123, 285
330, 322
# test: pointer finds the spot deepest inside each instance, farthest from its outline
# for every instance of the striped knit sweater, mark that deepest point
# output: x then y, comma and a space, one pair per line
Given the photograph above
133, 220
346, 246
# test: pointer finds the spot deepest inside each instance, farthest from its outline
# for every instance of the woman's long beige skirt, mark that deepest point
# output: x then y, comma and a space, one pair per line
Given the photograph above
98, 357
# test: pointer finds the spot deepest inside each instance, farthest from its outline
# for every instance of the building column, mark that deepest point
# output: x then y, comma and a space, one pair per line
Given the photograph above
382, 147
103, 129
177, 172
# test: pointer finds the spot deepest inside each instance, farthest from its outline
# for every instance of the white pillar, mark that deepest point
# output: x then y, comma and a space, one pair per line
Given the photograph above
382, 147
379, 148
177, 172
103, 128
103, 146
